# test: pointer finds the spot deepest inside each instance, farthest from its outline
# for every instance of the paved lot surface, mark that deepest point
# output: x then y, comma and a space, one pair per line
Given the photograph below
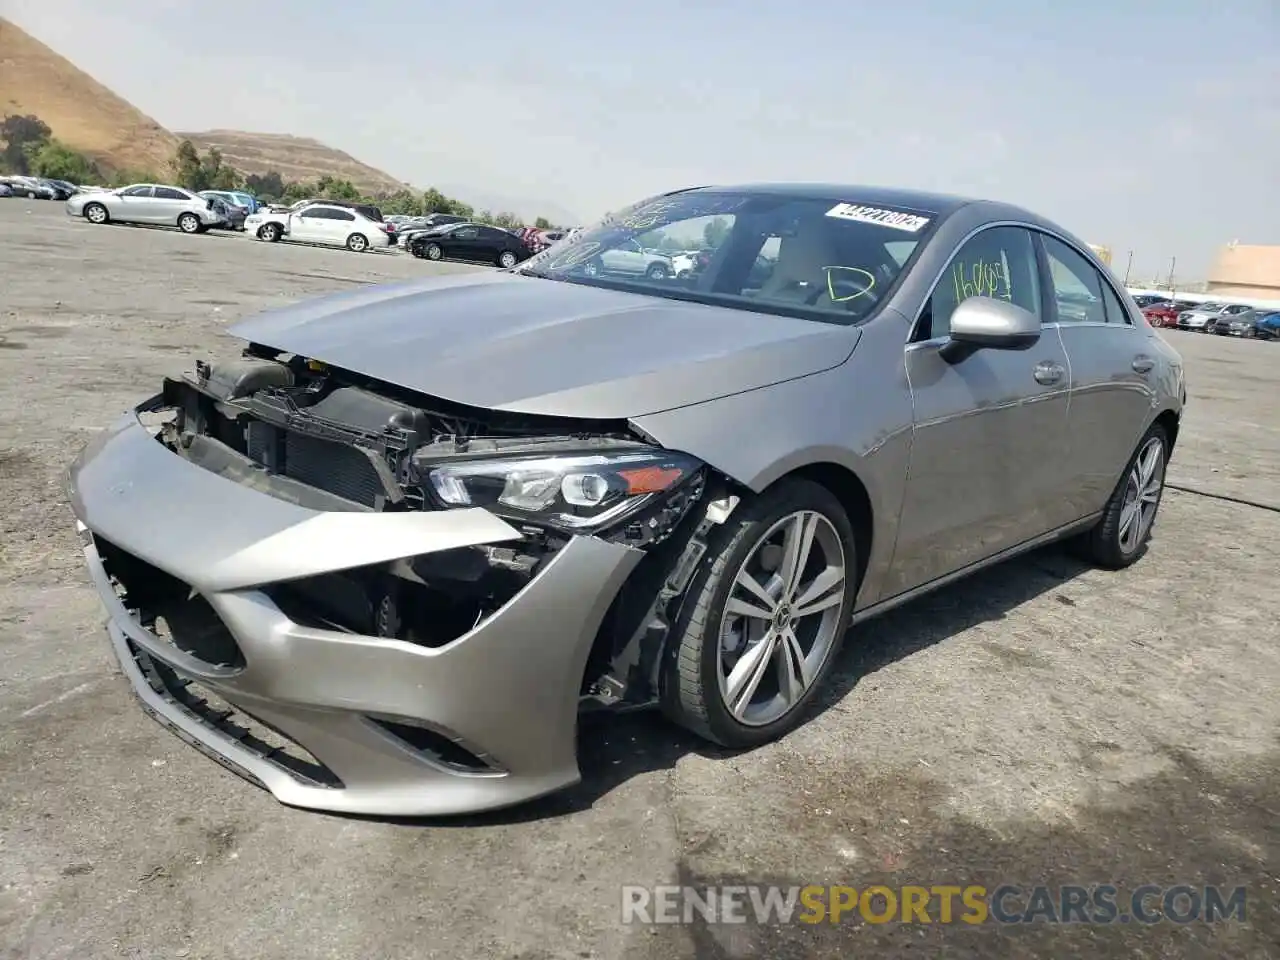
1043, 723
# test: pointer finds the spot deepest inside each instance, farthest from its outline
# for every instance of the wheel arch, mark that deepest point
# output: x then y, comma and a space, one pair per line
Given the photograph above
1169, 420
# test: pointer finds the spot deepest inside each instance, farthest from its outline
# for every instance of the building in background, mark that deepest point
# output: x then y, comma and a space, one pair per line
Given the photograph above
1247, 272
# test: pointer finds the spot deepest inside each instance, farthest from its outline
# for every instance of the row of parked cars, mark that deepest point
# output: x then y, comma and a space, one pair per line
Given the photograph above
1224, 319
37, 188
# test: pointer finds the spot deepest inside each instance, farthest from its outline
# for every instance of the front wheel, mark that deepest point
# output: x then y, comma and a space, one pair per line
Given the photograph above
1123, 533
656, 271
189, 223
764, 619
96, 213
433, 251
357, 243
270, 232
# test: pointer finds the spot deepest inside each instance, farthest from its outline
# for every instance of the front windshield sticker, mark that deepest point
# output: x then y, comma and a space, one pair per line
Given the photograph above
909, 222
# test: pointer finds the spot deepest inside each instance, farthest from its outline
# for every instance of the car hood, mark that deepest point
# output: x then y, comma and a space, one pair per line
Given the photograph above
509, 342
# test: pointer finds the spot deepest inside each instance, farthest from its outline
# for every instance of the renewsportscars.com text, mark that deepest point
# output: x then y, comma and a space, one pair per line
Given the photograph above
1099, 903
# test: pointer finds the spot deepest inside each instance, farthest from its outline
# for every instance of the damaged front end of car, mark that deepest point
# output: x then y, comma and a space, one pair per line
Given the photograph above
419, 595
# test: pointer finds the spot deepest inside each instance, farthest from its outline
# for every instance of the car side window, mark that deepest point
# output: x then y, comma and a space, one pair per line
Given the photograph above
341, 215
999, 262
466, 233
1077, 288
168, 193
138, 192
1112, 305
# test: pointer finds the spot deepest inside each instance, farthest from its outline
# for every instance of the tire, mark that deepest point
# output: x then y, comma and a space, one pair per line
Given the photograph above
189, 223
357, 243
696, 658
684, 274
270, 232
96, 213
433, 251
1248, 333
657, 271
506, 259
1112, 543
31, 194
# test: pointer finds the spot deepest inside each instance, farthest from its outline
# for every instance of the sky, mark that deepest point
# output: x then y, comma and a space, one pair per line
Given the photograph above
1150, 126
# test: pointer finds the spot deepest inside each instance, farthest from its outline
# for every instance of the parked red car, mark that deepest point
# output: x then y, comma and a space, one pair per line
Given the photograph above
1165, 312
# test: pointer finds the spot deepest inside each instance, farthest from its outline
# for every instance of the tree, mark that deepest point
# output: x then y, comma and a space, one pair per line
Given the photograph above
59, 162
188, 169
713, 233
269, 186
542, 223
22, 136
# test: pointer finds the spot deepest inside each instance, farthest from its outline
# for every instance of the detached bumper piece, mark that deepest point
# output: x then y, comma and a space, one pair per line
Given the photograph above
202, 576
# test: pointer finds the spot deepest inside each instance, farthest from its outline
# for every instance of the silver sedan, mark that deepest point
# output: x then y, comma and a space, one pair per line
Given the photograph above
382, 559
151, 203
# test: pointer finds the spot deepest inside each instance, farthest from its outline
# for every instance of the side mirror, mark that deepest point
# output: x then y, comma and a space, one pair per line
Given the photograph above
986, 322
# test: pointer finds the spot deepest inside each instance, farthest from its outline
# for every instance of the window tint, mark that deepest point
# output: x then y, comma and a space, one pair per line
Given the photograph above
466, 233
998, 263
138, 192
1116, 313
1077, 288
168, 193
341, 215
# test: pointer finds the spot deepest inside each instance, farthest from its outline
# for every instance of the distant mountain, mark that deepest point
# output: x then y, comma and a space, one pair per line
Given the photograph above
294, 158
80, 111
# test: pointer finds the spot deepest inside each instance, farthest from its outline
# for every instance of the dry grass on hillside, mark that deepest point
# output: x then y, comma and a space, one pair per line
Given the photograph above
295, 158
81, 112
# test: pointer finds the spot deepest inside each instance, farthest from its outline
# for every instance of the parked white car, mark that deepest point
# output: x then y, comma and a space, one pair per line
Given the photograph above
630, 259
146, 203
1205, 316
323, 223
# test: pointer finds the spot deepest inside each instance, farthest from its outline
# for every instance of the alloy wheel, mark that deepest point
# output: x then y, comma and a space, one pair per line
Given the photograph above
782, 618
1142, 495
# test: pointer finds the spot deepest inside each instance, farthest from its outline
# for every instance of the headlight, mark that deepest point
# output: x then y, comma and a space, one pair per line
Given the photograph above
574, 492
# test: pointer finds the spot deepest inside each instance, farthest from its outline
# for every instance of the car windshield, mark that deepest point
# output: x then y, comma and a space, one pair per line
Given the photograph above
831, 259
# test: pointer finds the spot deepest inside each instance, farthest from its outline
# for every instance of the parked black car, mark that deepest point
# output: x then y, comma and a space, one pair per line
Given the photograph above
470, 241
420, 225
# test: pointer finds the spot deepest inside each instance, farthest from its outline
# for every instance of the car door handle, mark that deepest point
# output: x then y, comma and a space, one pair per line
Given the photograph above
1143, 364
1048, 371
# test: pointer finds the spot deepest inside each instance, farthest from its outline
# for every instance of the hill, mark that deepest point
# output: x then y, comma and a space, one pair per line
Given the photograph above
294, 158
80, 111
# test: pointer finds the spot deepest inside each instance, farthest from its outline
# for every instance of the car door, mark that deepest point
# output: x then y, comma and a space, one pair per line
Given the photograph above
168, 203
986, 449
339, 225
1112, 371
133, 205
308, 225
493, 241
462, 243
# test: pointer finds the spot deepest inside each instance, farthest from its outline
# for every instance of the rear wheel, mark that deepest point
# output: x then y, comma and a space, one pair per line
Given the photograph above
357, 243
764, 619
189, 223
656, 271
506, 259
1123, 533
96, 213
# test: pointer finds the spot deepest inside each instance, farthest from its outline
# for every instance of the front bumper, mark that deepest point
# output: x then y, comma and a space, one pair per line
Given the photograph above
507, 691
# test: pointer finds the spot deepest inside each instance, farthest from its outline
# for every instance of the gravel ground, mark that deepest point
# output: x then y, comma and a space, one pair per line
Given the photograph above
1041, 723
